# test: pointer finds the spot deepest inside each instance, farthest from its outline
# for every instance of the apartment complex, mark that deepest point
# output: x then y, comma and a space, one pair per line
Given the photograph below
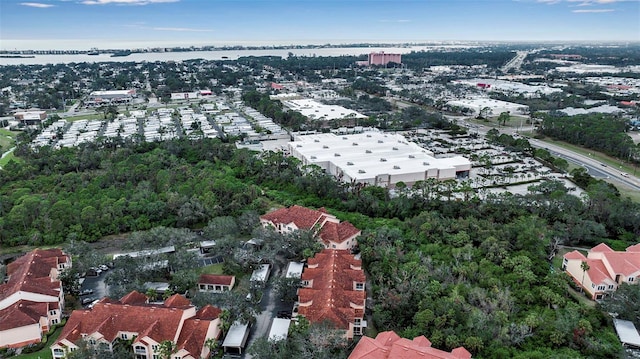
330, 231
148, 325
31, 299
334, 290
603, 269
388, 345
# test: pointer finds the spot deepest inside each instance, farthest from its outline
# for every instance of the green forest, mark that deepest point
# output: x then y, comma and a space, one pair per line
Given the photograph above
461, 272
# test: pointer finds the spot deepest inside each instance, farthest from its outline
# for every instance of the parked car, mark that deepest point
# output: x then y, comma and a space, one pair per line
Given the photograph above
86, 292
87, 300
103, 267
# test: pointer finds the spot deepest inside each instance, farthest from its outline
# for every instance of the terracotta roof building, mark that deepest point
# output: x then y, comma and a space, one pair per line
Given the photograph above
214, 283
31, 299
330, 231
147, 324
607, 269
390, 345
334, 290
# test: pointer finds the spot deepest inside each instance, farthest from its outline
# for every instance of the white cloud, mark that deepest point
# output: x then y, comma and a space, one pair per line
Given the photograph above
125, 2
36, 4
180, 29
584, 11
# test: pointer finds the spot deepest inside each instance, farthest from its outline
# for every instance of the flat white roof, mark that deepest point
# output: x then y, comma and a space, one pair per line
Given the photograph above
627, 332
237, 335
113, 93
294, 270
279, 329
261, 273
480, 103
318, 111
365, 155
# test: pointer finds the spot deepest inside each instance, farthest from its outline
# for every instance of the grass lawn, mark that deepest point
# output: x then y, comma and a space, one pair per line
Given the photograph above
85, 117
212, 269
45, 353
7, 139
7, 158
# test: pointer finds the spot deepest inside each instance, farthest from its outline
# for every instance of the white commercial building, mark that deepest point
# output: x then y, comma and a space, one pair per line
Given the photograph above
115, 96
317, 111
376, 158
496, 107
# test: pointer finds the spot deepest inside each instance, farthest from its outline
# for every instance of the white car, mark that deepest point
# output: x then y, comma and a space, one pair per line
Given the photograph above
103, 267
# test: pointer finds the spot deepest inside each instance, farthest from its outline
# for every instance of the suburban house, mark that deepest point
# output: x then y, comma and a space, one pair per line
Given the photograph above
31, 299
213, 283
330, 231
148, 325
333, 289
390, 345
604, 268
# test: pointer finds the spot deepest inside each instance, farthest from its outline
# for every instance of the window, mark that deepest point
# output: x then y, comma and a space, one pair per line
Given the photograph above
155, 356
52, 312
305, 283
92, 341
203, 287
357, 322
58, 353
124, 336
601, 287
593, 285
54, 321
610, 286
359, 286
630, 279
154, 347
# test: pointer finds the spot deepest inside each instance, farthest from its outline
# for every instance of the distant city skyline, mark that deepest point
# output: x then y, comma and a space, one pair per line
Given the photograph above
84, 24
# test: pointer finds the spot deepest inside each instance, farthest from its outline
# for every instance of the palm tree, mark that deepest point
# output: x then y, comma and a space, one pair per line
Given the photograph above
585, 267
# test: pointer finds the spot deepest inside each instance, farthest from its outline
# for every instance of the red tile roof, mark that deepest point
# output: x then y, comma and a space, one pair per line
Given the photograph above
216, 279
177, 301
333, 273
601, 248
597, 271
306, 218
208, 312
32, 273
193, 335
575, 255
22, 313
388, 345
134, 298
302, 217
158, 322
337, 232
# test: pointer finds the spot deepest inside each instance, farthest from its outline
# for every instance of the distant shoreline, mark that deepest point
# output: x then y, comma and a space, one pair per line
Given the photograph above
17, 56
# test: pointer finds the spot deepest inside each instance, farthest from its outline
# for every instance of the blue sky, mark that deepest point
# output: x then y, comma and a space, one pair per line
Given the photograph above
81, 24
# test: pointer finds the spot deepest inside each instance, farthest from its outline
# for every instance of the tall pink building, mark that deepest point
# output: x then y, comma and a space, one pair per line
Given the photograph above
382, 59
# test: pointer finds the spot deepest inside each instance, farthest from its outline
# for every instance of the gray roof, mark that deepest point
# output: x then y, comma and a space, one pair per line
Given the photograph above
627, 332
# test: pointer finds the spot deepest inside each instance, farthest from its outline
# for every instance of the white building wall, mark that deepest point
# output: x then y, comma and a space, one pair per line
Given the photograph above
25, 334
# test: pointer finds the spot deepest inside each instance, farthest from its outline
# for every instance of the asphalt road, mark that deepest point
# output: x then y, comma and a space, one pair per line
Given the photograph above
594, 166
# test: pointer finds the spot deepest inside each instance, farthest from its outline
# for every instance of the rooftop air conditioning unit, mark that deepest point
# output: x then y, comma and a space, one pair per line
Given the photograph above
355, 144
395, 148
367, 151
425, 163
349, 163
380, 141
337, 154
396, 167
325, 146
361, 171
412, 156
383, 160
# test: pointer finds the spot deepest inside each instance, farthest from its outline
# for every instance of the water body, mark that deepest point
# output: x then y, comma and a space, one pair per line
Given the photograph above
216, 55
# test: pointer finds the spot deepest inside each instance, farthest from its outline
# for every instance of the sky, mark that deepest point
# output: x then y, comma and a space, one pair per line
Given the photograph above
83, 24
